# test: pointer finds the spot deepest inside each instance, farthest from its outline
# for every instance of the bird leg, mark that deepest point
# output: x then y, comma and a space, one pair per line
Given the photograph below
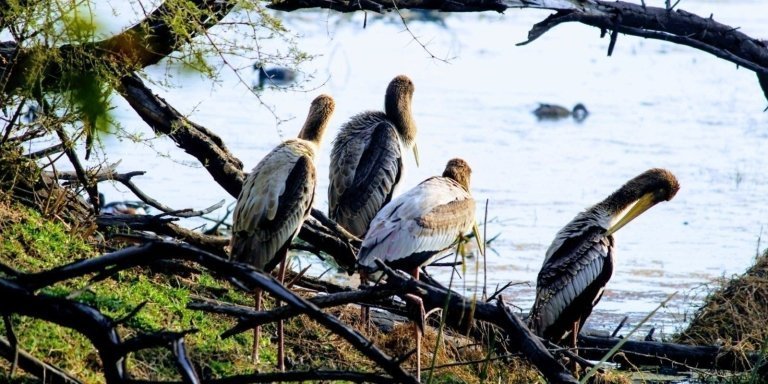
573, 340
257, 329
365, 311
280, 329
418, 326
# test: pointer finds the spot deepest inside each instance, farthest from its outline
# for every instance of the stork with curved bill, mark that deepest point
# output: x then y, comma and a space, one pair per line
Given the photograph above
367, 158
580, 260
420, 224
275, 200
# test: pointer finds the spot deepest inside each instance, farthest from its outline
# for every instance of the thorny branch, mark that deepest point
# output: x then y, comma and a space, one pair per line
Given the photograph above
249, 318
243, 275
33, 365
97, 327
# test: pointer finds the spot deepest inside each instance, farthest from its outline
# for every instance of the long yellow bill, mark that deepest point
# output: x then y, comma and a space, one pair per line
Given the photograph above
416, 153
640, 206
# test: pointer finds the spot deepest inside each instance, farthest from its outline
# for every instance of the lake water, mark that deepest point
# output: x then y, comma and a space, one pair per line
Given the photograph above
652, 104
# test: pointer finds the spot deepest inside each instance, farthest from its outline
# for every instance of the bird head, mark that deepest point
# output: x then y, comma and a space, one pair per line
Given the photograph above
638, 195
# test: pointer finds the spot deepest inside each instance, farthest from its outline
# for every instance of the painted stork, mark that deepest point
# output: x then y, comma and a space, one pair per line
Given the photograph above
579, 262
367, 158
418, 225
275, 200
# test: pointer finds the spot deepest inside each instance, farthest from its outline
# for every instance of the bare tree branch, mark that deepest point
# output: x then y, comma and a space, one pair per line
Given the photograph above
226, 169
249, 318
533, 348
110, 173
678, 26
35, 367
163, 226
244, 275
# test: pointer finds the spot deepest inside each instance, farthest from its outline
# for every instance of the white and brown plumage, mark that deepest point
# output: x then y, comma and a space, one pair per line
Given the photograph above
276, 198
580, 260
419, 225
367, 158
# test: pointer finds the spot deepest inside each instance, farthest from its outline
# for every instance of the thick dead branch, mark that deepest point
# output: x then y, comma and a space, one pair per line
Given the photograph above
98, 328
679, 26
382, 6
35, 367
242, 274
635, 353
329, 237
86, 320
533, 348
462, 311
199, 142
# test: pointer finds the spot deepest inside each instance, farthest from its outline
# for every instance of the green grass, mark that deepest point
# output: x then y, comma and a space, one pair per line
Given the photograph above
30, 243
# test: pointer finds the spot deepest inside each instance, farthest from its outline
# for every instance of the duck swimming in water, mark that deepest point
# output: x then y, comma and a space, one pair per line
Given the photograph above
554, 112
274, 76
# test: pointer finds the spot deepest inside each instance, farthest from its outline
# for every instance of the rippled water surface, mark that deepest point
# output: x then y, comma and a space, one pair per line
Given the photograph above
652, 104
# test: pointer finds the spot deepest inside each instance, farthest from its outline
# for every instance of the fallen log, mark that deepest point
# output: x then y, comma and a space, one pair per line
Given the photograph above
638, 353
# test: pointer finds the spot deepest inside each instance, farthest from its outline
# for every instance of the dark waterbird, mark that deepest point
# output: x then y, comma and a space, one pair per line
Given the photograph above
367, 158
555, 112
276, 76
580, 260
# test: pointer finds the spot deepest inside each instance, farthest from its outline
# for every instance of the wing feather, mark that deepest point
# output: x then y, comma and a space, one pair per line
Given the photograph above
571, 280
366, 167
418, 224
273, 204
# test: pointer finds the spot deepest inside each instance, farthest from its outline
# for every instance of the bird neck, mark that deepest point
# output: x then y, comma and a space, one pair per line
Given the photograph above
314, 127
460, 177
398, 110
625, 196
619, 200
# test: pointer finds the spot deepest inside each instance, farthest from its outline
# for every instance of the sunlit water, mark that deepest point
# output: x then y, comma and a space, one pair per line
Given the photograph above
652, 104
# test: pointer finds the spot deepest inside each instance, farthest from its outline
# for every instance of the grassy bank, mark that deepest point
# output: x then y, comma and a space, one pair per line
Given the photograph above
31, 243
735, 317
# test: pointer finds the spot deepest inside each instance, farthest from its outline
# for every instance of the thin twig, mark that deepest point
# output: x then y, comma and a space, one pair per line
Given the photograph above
33, 366
416, 39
